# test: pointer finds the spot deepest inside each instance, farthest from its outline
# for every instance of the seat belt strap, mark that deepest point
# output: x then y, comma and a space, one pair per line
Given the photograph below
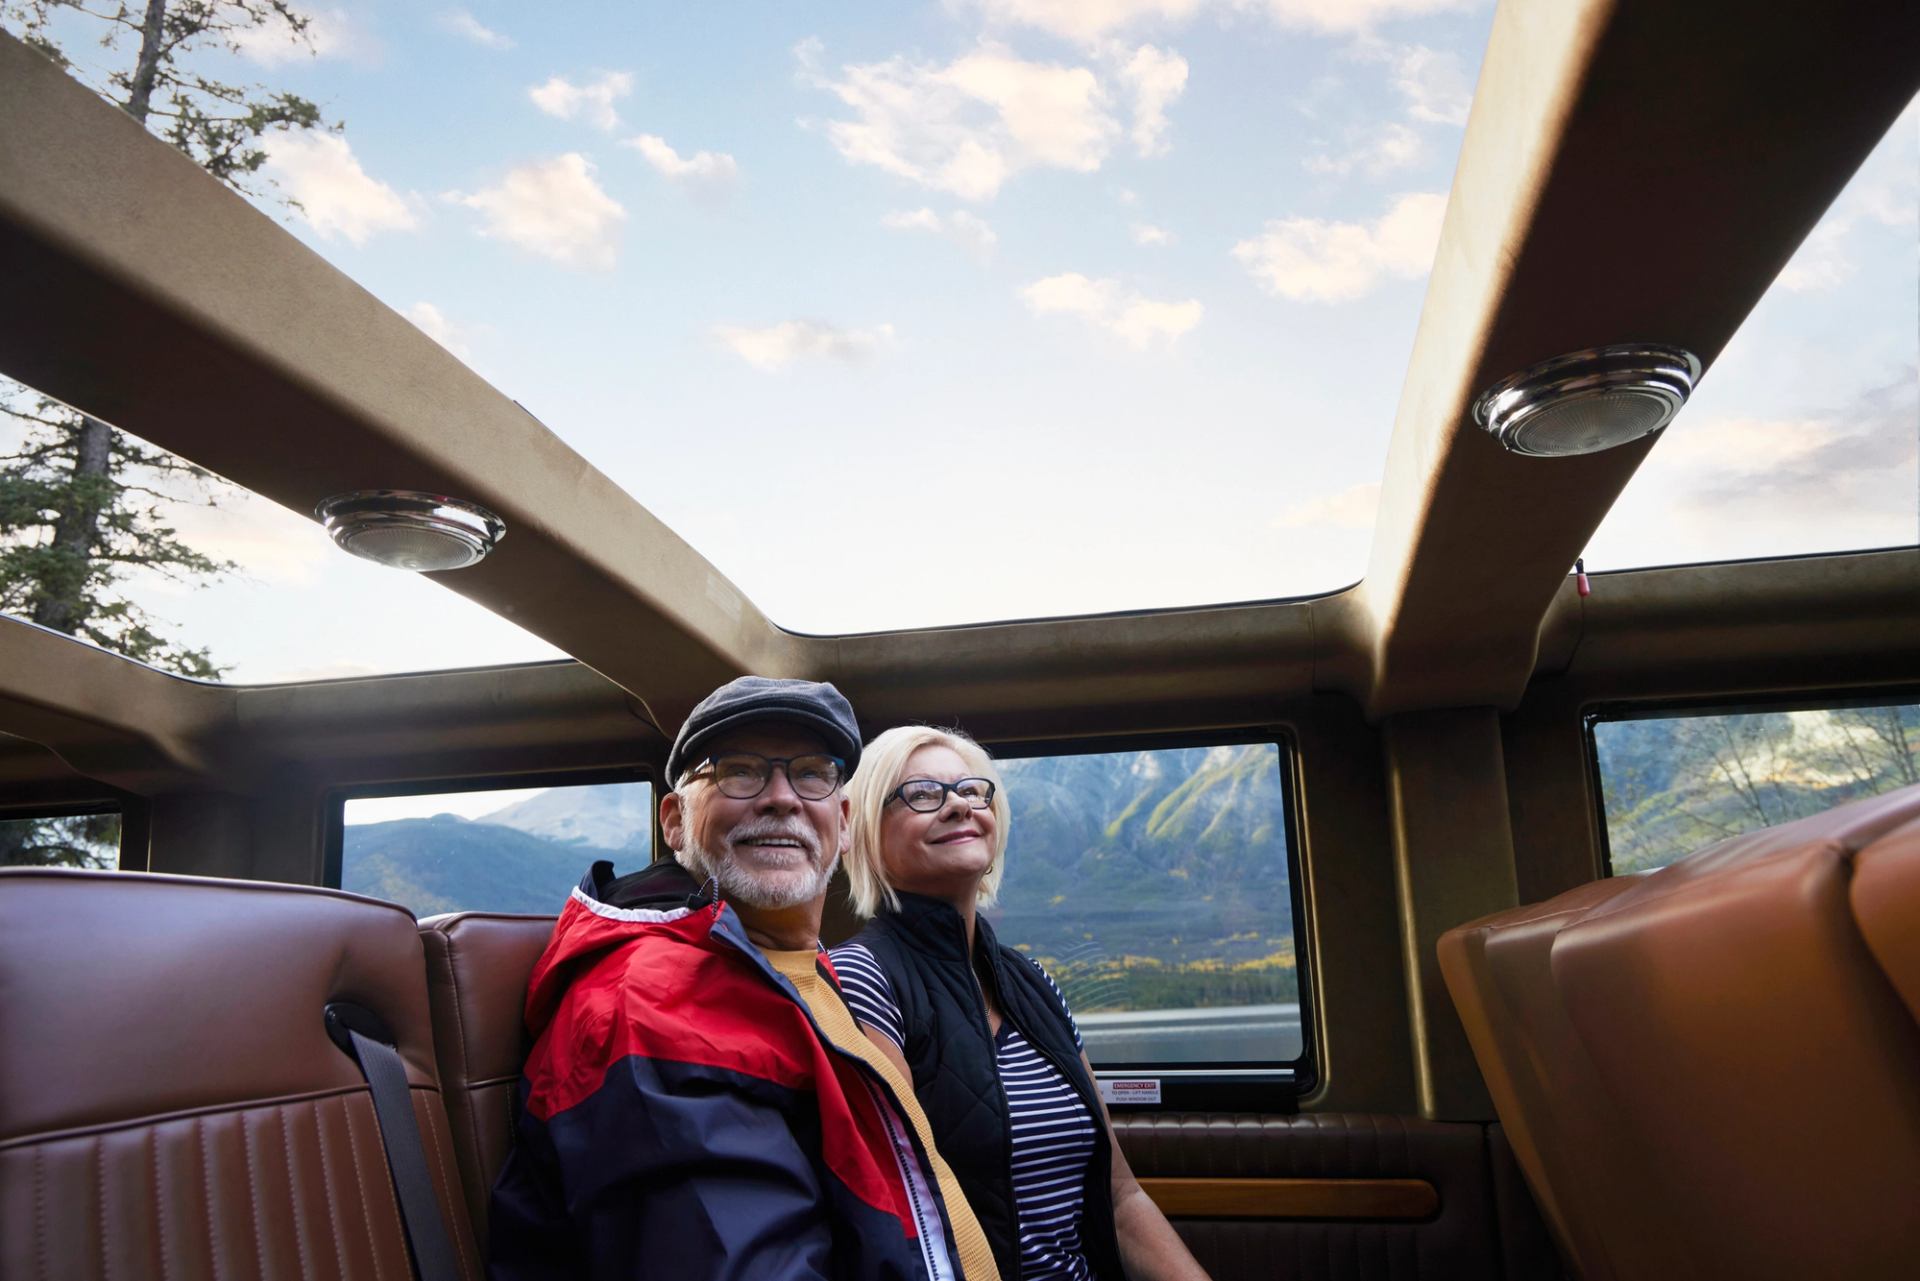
420, 1215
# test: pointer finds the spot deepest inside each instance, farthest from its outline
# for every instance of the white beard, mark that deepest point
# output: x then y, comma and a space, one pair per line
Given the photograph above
746, 879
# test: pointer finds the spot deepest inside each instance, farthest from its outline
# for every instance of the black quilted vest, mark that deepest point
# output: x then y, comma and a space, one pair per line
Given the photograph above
923, 950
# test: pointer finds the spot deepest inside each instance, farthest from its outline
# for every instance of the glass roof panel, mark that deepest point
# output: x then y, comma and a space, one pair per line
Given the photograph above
1804, 437
291, 608
1126, 291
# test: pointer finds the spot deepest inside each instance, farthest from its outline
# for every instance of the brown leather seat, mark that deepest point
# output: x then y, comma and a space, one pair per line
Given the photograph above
1886, 901
1716, 1075
170, 1103
477, 968
1558, 1114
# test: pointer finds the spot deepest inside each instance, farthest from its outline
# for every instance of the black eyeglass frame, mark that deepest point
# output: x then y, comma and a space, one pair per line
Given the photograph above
707, 768
946, 789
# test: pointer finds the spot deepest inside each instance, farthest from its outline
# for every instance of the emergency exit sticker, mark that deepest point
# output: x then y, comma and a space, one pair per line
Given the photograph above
1117, 1092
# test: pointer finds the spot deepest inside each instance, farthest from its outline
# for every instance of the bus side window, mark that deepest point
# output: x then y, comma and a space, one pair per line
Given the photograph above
1156, 887
520, 849
87, 838
1674, 784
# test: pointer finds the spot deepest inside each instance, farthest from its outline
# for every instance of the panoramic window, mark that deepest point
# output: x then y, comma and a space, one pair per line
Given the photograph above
1676, 784
89, 838
516, 850
1119, 266
1156, 888
1801, 438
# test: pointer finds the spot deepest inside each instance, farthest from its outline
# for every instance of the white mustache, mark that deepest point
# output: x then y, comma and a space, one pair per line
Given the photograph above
760, 829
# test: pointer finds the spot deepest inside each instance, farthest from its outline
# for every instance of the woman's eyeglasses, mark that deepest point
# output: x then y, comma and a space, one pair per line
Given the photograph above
927, 795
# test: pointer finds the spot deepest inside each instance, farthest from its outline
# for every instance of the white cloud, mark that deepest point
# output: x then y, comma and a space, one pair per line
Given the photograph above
434, 324
1889, 197
969, 231
273, 43
1337, 16
1856, 467
553, 208
334, 194
1722, 487
1086, 20
1148, 234
462, 23
1353, 508
773, 348
1134, 318
1434, 84
268, 542
1311, 260
1156, 77
914, 220
711, 170
1821, 262
969, 126
1390, 147
593, 102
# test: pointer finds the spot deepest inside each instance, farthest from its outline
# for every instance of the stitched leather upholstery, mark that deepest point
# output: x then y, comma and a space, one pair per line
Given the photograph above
170, 1103
477, 968
1714, 1070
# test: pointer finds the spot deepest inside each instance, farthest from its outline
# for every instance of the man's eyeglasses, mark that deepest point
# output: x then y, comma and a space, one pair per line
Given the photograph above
744, 775
926, 795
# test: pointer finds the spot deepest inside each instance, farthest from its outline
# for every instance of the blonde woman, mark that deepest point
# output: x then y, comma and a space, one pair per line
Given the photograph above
981, 1031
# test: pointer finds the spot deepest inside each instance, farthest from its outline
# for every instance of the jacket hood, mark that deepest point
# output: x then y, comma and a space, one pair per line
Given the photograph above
603, 913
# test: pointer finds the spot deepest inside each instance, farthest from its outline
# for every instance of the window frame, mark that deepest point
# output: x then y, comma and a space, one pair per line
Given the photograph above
133, 820
1269, 1087
1616, 710
336, 798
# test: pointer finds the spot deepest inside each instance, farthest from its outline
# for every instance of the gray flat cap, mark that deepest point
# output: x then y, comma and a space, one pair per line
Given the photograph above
813, 705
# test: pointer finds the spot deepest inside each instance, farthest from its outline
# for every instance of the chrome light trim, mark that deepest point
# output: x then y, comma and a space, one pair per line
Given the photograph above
459, 533
1626, 372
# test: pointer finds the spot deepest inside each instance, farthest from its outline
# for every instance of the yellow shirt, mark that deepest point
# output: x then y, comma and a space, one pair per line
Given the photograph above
970, 1248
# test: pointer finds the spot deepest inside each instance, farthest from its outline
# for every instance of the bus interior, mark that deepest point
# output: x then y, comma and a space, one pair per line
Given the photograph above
1497, 1057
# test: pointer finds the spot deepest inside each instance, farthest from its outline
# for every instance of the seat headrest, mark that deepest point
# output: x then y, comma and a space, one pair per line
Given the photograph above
127, 995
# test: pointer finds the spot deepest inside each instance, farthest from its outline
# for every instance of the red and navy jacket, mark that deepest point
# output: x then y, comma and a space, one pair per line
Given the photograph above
681, 1114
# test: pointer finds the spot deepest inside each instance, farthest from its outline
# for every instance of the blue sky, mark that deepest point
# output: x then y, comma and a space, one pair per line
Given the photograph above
1095, 304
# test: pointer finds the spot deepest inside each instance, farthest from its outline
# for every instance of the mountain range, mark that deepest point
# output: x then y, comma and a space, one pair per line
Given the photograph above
1194, 836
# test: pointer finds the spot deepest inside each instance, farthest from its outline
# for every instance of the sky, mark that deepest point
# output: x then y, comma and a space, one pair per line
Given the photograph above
1045, 306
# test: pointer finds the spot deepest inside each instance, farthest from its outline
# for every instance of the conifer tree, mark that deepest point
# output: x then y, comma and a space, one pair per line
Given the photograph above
80, 840
82, 505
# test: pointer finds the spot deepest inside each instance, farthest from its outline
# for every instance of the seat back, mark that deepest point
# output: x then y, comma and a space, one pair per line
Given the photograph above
1886, 901
1713, 1067
477, 969
170, 1102
1556, 1111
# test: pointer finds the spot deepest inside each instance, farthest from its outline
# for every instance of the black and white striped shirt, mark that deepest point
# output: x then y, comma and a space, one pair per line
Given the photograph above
1053, 1133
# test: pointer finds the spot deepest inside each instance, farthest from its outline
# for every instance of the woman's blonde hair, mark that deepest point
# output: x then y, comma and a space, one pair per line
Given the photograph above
883, 766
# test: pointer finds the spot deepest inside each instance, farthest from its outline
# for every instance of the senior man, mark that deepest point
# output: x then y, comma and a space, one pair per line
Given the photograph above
699, 1101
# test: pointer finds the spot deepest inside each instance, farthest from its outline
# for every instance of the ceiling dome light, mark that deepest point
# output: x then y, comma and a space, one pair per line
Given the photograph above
1588, 401
406, 530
